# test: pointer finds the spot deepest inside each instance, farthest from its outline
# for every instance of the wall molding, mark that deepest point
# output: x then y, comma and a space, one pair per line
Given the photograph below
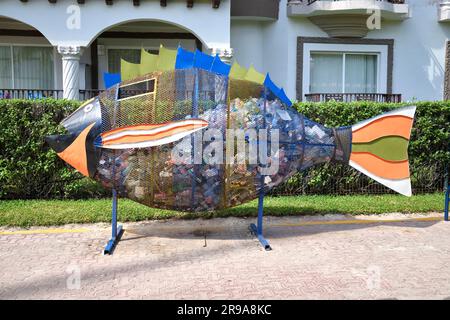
447, 72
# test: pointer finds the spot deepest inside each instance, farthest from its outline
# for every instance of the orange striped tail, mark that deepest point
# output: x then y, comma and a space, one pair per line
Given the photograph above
380, 148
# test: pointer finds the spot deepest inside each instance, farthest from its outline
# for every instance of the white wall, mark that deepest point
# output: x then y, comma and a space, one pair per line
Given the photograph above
419, 49
211, 26
419, 52
247, 43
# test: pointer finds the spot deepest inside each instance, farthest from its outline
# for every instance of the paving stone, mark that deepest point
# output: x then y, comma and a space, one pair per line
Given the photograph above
168, 260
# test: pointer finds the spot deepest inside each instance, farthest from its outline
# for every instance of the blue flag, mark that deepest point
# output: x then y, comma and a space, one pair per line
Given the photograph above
220, 67
203, 61
185, 59
111, 79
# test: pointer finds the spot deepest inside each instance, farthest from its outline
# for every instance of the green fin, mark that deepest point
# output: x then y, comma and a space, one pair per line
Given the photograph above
391, 148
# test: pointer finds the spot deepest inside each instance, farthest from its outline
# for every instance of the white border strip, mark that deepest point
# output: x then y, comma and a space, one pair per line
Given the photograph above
401, 186
406, 111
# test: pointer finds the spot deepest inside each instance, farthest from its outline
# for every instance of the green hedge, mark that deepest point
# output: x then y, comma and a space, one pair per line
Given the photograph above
428, 151
28, 169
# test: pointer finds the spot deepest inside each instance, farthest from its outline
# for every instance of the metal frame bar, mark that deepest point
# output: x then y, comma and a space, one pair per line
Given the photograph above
447, 194
447, 201
257, 230
117, 231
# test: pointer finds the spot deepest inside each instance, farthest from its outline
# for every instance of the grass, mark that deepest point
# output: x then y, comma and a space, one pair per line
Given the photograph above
25, 213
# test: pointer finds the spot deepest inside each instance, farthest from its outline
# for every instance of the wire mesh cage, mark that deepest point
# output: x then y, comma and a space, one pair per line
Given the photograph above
242, 117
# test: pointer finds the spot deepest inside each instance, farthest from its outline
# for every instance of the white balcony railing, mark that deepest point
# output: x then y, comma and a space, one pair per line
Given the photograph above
390, 9
444, 11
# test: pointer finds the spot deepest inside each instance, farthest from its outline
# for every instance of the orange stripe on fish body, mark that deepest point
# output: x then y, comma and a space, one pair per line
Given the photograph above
380, 167
136, 127
394, 125
144, 136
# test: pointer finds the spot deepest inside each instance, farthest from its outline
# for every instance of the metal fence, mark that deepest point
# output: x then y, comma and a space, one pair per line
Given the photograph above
337, 179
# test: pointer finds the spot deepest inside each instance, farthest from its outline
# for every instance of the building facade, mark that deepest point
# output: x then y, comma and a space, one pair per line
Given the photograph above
383, 50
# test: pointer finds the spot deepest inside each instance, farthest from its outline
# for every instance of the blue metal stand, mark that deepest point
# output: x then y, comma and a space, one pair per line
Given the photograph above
116, 231
258, 230
447, 193
447, 201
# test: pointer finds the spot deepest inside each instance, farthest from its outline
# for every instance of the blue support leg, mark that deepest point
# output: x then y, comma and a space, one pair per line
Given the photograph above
447, 193
447, 200
116, 231
257, 230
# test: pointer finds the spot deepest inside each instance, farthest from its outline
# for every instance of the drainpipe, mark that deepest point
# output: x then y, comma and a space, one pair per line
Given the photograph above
71, 68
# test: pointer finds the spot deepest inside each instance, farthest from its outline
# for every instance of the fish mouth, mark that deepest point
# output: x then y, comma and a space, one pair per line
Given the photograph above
59, 142
76, 147
74, 150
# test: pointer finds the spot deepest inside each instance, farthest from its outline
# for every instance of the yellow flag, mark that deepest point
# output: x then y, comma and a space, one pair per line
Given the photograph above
149, 62
254, 76
166, 59
128, 70
237, 72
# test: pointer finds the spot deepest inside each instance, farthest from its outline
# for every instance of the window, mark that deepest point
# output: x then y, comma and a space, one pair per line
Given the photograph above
5, 68
26, 67
137, 89
130, 55
337, 72
114, 56
343, 66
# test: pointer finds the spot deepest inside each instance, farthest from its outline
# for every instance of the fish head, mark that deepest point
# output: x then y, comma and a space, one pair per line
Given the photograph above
76, 147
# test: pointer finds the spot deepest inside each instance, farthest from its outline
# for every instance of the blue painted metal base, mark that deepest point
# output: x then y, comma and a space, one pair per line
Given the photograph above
111, 245
262, 240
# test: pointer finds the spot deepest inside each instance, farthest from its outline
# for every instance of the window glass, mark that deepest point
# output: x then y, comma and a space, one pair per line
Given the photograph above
343, 73
114, 56
326, 73
33, 67
5, 68
360, 73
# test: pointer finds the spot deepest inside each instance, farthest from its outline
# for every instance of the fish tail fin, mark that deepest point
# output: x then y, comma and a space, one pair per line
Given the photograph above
379, 148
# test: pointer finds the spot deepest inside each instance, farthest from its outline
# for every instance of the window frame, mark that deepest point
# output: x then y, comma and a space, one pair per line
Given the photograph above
302, 41
11, 45
155, 84
344, 67
380, 50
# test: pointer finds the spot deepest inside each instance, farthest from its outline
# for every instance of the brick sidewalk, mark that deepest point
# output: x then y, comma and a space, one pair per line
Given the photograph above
169, 260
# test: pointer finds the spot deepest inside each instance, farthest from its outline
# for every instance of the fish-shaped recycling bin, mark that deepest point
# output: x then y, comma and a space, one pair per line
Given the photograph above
193, 139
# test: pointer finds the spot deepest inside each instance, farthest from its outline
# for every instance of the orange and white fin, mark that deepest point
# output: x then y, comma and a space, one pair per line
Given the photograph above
379, 148
148, 135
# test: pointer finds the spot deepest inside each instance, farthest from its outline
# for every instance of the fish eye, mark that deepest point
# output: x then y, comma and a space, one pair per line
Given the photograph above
88, 108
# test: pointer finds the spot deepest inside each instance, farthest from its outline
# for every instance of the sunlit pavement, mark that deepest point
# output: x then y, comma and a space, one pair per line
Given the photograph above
312, 258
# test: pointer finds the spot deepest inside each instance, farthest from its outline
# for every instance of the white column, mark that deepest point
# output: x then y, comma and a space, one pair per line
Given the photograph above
225, 54
71, 69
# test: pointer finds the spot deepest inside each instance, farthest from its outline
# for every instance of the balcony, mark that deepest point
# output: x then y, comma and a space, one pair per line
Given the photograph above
30, 94
351, 97
390, 9
347, 18
444, 11
259, 10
